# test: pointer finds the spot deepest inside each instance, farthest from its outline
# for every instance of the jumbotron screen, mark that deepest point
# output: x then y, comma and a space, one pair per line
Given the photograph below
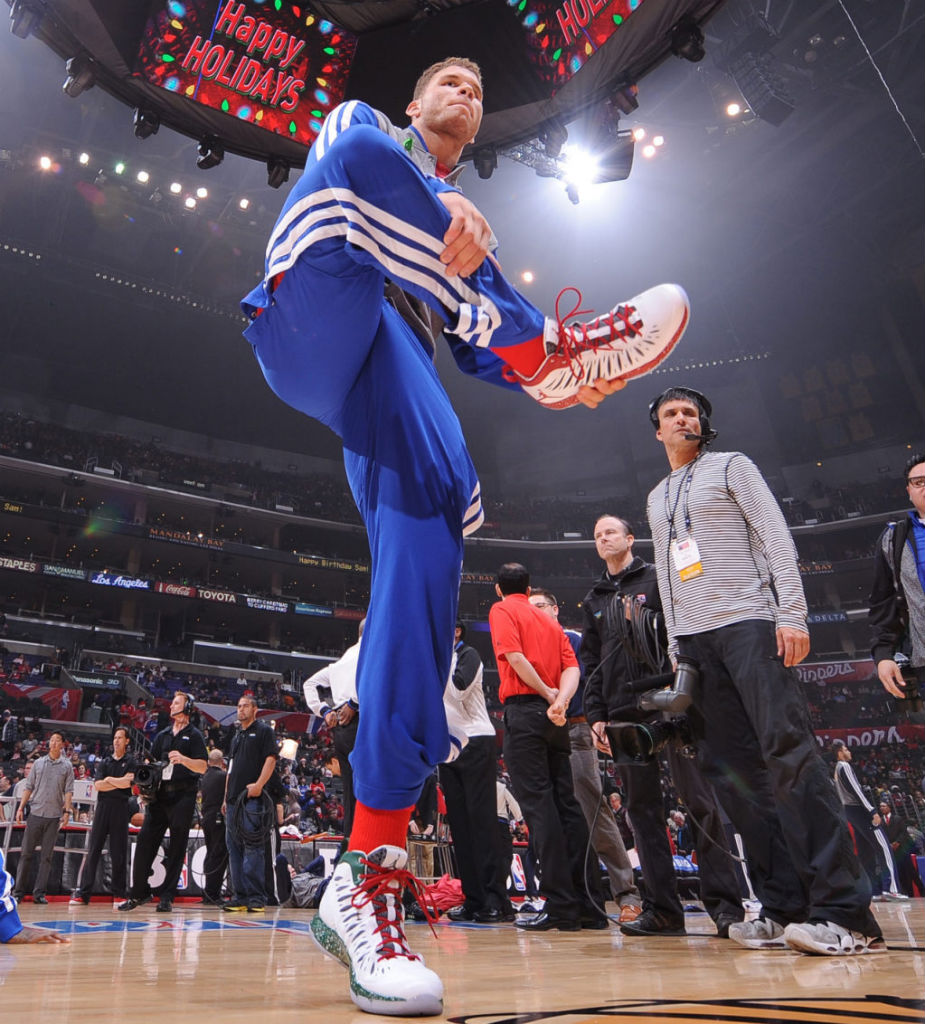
269, 62
563, 34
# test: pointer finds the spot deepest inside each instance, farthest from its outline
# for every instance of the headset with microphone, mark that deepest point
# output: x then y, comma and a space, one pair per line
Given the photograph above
707, 433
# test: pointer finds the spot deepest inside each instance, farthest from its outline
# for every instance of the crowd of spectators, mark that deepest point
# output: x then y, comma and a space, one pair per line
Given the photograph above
328, 497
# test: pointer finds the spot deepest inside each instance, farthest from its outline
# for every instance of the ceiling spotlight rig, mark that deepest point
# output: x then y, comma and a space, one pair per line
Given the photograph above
211, 153
145, 123
81, 75
277, 171
25, 17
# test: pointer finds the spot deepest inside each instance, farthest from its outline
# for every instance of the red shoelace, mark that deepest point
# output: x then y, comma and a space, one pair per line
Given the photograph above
573, 338
375, 887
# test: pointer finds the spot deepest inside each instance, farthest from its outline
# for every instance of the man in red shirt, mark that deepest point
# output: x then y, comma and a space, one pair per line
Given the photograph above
539, 675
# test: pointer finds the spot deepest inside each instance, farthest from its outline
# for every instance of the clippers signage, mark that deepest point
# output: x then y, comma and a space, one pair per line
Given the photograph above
177, 589
19, 564
264, 604
268, 62
106, 579
562, 36
222, 596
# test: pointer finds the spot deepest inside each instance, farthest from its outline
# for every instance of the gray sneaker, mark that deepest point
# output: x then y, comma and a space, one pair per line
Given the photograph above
828, 939
762, 933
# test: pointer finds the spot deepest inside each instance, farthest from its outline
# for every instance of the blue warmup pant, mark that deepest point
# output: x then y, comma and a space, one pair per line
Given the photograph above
10, 924
330, 346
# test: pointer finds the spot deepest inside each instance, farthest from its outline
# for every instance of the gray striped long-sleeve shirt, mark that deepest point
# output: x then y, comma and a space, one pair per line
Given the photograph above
746, 550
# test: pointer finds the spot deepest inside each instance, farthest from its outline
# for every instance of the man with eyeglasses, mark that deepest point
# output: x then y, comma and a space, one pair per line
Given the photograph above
897, 599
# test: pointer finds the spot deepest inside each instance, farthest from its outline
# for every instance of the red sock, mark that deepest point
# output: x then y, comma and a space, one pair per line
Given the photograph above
526, 357
372, 828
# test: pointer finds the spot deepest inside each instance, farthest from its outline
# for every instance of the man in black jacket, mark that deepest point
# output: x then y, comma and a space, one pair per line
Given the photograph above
897, 599
211, 798
615, 654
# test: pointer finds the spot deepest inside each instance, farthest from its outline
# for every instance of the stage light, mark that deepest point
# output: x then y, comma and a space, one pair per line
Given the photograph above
243, 203
486, 160
554, 136
277, 172
190, 203
45, 163
25, 16
84, 159
145, 123
658, 140
119, 168
211, 153
143, 177
580, 167
80, 75
202, 193
687, 40
639, 134
176, 188
527, 277
733, 109
648, 151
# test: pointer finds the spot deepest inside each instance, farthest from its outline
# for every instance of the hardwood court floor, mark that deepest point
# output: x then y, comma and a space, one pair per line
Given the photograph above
150, 968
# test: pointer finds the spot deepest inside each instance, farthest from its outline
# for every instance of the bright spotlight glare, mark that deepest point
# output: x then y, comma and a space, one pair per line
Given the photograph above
244, 203
201, 192
659, 140
648, 151
176, 188
639, 134
143, 177
527, 277
189, 203
119, 168
733, 109
84, 159
45, 163
580, 166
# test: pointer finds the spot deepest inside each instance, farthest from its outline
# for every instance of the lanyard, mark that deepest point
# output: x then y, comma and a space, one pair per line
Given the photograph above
671, 510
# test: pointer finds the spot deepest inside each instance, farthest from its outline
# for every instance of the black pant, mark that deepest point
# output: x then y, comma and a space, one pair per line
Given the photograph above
344, 737
536, 753
171, 811
216, 862
756, 746
472, 810
110, 822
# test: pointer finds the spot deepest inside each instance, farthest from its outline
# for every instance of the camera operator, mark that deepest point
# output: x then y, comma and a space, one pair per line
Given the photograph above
614, 656
733, 600
182, 750
897, 599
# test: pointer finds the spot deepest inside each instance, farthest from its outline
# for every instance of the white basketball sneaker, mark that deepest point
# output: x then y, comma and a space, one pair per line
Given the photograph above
360, 922
827, 939
629, 341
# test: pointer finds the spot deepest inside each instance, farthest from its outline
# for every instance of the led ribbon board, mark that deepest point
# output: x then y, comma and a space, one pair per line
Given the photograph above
563, 34
268, 62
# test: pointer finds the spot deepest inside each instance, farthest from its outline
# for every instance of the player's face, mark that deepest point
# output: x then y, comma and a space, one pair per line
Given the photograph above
451, 104
916, 491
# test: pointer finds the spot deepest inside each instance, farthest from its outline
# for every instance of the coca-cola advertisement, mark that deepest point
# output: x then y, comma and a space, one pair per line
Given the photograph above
177, 589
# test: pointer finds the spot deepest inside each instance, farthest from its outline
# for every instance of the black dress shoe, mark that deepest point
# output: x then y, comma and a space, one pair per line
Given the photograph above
650, 922
164, 905
131, 904
39, 899
723, 921
547, 922
461, 914
488, 916
594, 922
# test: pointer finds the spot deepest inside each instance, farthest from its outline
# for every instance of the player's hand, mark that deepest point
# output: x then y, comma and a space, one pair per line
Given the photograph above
467, 238
345, 714
792, 645
592, 395
30, 935
875, 821
892, 679
330, 719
